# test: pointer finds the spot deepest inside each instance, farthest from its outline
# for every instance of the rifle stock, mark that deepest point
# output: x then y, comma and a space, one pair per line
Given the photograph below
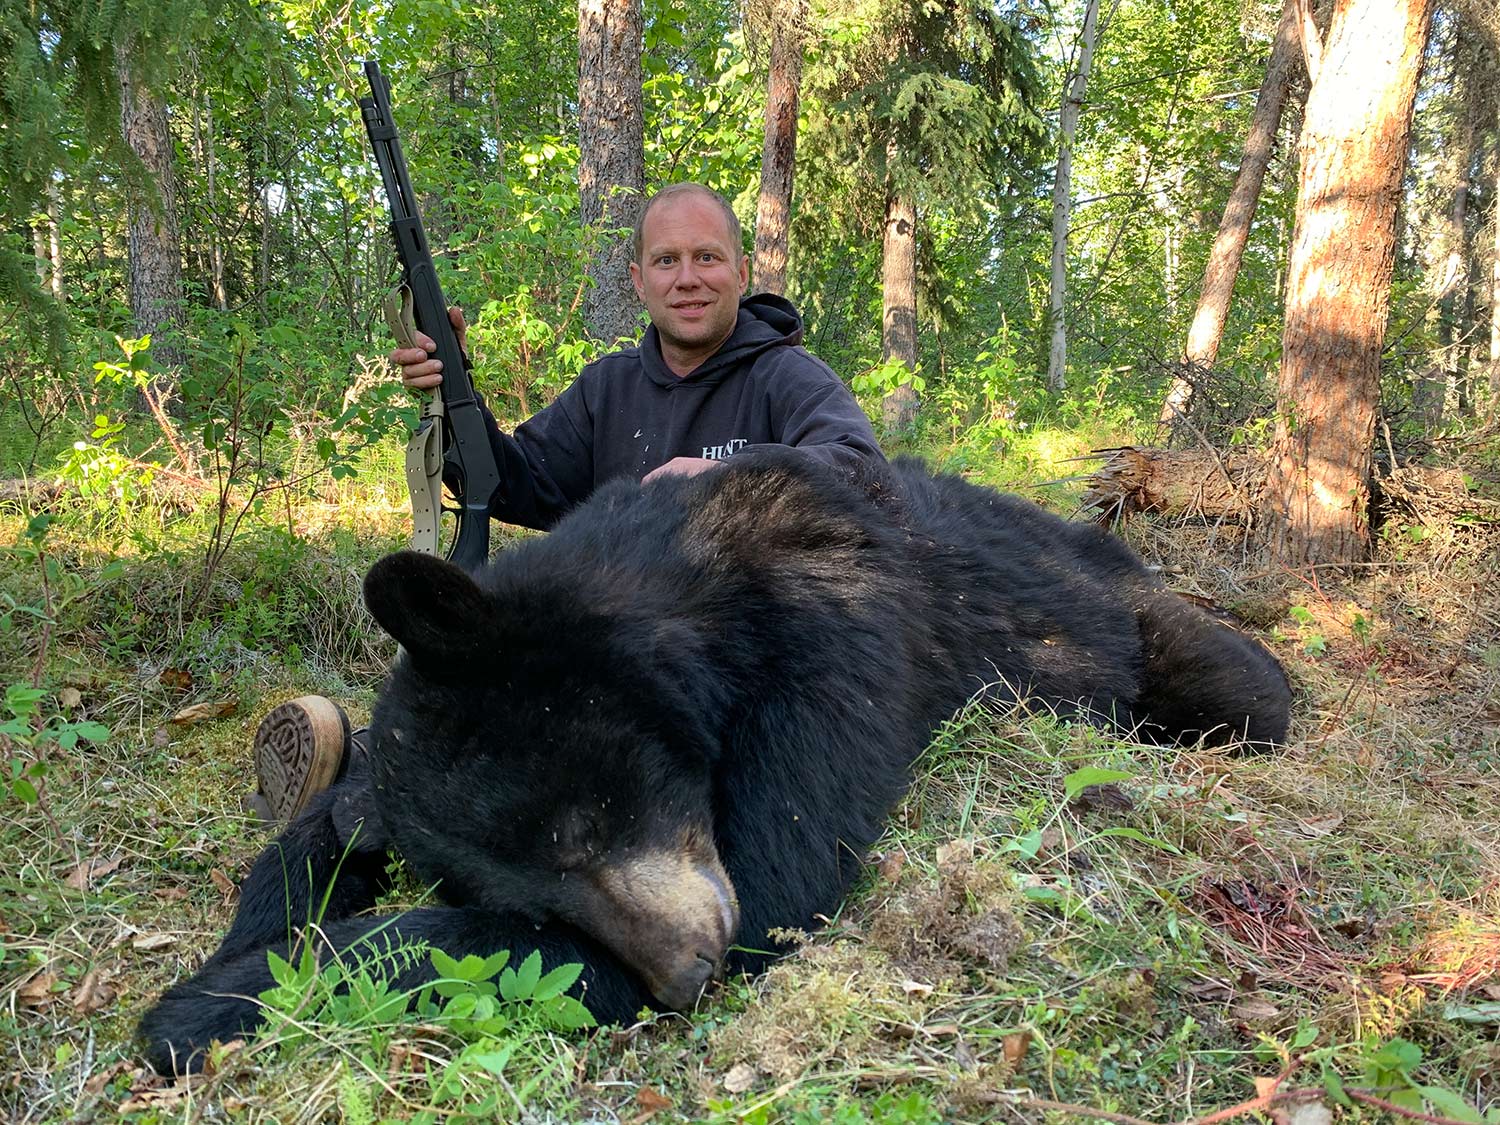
451, 446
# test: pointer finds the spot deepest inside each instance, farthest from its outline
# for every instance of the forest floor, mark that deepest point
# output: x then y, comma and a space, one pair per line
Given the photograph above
1058, 925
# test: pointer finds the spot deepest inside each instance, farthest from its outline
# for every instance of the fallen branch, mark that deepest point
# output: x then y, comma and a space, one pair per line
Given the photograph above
1175, 482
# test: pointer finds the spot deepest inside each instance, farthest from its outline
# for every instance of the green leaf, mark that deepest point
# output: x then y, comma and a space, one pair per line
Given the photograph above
1081, 779
558, 981
493, 964
445, 965
1483, 1011
1027, 845
1449, 1104
1335, 1087
24, 791
1142, 838
527, 976
569, 1014
496, 1061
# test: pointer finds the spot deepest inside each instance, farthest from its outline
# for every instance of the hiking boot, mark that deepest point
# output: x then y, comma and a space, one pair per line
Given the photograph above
301, 748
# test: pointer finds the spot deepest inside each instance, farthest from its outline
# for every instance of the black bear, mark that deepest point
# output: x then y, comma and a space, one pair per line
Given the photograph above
678, 722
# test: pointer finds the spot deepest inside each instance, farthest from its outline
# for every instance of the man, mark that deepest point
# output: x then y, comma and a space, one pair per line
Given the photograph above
715, 374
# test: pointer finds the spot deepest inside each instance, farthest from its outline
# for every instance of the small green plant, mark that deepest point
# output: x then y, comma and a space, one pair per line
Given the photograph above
29, 737
502, 1018
1313, 641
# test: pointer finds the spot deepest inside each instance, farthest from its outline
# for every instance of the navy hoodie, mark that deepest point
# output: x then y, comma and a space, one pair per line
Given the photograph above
628, 413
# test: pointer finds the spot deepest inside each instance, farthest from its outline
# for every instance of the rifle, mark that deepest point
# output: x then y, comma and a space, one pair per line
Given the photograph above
450, 445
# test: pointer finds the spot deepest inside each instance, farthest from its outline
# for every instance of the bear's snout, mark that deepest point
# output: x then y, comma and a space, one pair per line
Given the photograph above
670, 915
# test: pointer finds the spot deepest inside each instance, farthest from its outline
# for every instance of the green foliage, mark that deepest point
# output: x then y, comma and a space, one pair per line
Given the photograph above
501, 1019
28, 735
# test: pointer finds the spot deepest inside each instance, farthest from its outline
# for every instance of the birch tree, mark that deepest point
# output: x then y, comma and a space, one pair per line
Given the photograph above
1062, 200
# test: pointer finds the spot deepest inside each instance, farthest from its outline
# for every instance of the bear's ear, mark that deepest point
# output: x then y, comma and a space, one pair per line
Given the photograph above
434, 609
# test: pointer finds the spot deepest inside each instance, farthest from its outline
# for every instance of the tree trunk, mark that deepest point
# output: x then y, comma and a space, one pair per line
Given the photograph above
40, 254
773, 213
1315, 508
1494, 407
54, 237
898, 336
155, 260
216, 247
1175, 482
1207, 330
1451, 324
1062, 197
612, 160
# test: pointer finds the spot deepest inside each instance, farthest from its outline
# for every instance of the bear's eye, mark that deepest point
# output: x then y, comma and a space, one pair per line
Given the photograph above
578, 839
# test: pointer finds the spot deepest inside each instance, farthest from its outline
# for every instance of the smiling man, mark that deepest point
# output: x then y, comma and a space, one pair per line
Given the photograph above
716, 374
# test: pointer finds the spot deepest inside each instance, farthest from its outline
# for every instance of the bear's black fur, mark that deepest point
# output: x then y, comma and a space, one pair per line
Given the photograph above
678, 721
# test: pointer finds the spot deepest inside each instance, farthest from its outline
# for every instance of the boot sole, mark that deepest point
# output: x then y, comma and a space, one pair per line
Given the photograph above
299, 747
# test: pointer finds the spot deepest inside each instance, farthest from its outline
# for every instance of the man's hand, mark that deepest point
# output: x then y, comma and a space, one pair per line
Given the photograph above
681, 467
419, 371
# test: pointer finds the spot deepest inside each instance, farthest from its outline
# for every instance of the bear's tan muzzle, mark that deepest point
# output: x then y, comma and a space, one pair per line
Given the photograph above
670, 915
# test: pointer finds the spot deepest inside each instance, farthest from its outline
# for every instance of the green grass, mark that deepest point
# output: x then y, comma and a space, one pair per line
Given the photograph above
1150, 950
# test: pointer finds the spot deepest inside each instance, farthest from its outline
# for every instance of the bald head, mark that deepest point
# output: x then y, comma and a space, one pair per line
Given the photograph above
679, 191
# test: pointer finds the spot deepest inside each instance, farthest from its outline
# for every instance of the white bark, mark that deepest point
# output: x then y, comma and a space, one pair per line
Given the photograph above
1062, 199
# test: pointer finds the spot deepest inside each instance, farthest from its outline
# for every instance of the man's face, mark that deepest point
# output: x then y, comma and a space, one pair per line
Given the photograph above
690, 276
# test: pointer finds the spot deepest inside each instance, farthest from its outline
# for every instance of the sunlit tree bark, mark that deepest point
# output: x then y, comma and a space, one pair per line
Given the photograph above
155, 257
1353, 153
898, 336
773, 212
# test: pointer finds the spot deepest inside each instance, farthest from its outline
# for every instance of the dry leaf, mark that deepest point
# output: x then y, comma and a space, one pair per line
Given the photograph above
943, 1029
1320, 826
654, 1100
891, 865
200, 712
1265, 1087
92, 994
82, 877
70, 698
964, 1057
171, 894
153, 941
152, 1093
916, 988
1015, 1046
651, 1103
1491, 991
225, 884
1254, 1009
175, 679
955, 851
36, 990
740, 1078
1209, 989
96, 1082
160, 737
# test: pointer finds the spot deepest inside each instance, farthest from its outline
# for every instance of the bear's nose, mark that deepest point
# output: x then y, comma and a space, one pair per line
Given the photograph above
683, 990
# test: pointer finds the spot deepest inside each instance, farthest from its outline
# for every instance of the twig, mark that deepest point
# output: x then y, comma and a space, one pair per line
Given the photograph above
998, 1097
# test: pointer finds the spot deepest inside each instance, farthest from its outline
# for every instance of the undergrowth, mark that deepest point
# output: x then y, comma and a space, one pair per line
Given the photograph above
1058, 921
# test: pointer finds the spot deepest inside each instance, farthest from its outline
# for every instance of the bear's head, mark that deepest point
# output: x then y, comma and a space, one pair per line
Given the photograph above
542, 756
